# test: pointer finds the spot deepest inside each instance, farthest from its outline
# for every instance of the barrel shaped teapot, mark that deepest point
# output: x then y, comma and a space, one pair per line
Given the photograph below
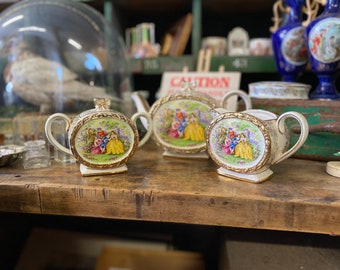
180, 119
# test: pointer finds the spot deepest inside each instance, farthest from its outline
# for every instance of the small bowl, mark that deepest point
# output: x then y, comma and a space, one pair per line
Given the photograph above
10, 154
279, 90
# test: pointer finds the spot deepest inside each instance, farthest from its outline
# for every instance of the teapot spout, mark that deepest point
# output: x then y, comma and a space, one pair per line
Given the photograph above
140, 102
217, 112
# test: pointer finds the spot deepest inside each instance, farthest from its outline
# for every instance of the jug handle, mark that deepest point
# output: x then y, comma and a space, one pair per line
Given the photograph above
149, 130
240, 93
304, 130
142, 105
140, 102
48, 131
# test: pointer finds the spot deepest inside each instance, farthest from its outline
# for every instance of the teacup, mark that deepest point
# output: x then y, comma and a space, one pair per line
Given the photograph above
245, 144
101, 140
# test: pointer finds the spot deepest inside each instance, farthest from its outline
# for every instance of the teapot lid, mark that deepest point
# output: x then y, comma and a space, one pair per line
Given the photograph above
102, 103
189, 92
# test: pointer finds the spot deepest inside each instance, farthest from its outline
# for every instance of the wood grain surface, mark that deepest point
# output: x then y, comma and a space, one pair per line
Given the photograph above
300, 196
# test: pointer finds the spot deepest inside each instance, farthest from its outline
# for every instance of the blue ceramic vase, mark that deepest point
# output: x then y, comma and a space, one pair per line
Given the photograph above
323, 36
289, 44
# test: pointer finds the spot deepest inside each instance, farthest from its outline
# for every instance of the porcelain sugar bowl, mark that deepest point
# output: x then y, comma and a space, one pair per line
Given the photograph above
102, 140
180, 119
245, 144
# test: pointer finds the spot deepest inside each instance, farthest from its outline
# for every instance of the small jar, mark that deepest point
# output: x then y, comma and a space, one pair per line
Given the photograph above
36, 155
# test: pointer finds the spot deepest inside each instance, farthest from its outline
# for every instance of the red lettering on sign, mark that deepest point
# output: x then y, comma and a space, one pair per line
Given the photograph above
202, 81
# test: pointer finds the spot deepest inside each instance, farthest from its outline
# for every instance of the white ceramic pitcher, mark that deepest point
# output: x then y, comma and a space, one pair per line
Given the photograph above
245, 144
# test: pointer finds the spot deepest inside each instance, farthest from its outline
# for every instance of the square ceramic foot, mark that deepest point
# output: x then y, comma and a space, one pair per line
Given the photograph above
86, 171
202, 155
254, 178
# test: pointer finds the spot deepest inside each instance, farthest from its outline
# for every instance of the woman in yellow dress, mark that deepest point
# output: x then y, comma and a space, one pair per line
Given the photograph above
115, 145
243, 148
194, 130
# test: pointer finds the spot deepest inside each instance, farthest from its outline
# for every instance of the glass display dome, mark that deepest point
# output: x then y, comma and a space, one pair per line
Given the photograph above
57, 56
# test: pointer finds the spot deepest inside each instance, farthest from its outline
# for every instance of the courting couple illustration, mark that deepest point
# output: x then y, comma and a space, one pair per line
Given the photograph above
237, 145
101, 142
186, 127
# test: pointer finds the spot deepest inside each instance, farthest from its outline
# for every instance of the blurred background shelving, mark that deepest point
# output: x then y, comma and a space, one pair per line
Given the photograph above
210, 18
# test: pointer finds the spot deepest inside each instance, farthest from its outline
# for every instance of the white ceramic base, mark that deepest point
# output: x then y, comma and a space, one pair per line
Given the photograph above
86, 171
202, 155
254, 178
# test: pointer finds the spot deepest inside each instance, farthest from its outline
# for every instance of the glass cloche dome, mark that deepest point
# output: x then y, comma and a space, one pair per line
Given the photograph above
56, 56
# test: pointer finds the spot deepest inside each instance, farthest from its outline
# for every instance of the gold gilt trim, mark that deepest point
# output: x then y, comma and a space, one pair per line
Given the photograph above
182, 95
246, 117
99, 115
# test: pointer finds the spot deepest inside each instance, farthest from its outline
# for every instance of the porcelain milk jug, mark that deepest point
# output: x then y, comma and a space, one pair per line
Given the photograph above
245, 144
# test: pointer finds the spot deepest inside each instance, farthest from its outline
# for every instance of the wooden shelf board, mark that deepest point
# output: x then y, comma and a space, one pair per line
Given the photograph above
300, 196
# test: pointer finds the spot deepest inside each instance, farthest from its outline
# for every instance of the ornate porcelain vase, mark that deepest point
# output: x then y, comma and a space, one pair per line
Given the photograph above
288, 41
323, 36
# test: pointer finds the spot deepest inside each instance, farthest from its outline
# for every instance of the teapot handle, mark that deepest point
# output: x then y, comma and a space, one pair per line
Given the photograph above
239, 93
149, 130
141, 104
304, 130
49, 134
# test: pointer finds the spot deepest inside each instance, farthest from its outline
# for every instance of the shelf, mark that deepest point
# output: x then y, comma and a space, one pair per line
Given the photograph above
300, 196
244, 64
160, 64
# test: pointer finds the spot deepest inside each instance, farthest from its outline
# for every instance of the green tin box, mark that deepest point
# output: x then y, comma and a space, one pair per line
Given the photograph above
323, 117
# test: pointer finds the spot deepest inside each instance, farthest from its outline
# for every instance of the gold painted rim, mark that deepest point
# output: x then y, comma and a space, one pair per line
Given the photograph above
262, 128
99, 115
192, 95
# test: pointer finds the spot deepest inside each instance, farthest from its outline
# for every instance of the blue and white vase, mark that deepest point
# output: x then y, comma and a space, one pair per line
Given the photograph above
289, 44
323, 36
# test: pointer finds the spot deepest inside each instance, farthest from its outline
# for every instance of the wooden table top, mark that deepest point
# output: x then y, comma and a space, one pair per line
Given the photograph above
300, 196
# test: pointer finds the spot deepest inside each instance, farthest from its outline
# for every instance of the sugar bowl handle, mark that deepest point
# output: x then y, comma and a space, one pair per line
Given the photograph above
49, 134
243, 95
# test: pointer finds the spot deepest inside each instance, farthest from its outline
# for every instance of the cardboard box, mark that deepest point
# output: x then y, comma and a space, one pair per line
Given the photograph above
62, 249
114, 258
